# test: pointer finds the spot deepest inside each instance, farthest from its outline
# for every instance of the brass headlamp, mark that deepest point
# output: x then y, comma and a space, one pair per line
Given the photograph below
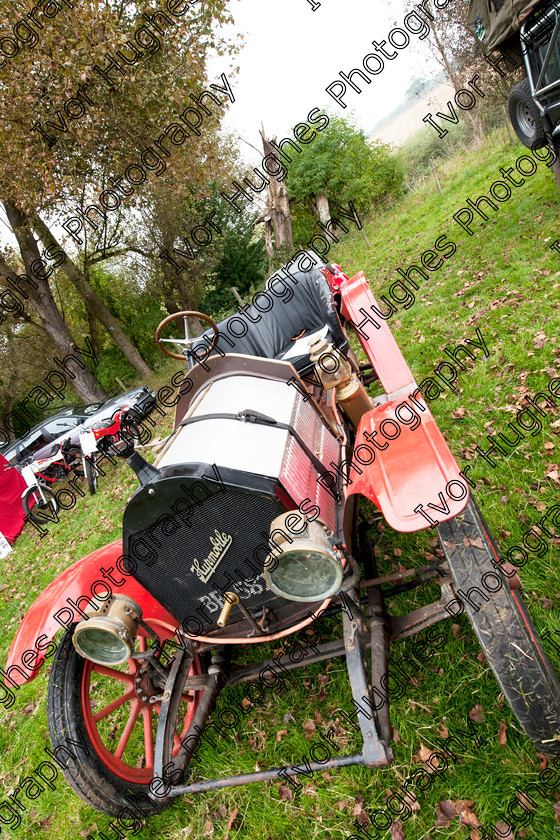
308, 566
107, 635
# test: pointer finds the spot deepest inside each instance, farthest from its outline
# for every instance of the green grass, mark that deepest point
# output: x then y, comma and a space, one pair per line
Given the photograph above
503, 280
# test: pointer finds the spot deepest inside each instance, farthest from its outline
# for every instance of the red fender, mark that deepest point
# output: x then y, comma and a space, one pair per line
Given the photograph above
415, 472
53, 608
415, 468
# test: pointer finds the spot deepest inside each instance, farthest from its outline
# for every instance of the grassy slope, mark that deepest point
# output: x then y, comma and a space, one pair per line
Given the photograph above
503, 280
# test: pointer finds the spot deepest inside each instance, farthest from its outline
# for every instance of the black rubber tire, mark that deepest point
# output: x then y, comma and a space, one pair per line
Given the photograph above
525, 117
91, 475
49, 507
505, 631
88, 775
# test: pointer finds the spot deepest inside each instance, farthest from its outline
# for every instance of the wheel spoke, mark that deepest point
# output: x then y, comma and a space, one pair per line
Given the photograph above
148, 736
113, 673
134, 712
116, 704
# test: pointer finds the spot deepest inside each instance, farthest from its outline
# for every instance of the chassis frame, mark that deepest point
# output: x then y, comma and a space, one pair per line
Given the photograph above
364, 625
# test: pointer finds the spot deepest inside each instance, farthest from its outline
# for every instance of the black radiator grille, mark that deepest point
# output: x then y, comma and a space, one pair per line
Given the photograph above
190, 564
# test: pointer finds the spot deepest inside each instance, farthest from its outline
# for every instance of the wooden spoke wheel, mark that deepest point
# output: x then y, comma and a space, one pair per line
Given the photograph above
113, 712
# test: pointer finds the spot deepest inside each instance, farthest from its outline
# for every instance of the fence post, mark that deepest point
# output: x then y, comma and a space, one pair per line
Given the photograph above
436, 179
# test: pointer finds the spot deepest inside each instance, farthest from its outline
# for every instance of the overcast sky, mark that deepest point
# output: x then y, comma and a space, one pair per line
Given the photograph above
292, 53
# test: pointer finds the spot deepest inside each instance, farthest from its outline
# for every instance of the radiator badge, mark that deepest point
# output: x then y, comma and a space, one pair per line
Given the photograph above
220, 544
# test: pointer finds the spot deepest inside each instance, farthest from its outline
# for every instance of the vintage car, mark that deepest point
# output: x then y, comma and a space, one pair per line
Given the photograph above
257, 519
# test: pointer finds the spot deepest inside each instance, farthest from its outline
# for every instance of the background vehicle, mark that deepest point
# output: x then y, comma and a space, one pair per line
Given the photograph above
37, 442
526, 33
40, 439
254, 523
116, 436
39, 502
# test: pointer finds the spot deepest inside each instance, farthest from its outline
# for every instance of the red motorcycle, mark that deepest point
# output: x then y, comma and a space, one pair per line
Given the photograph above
117, 435
248, 528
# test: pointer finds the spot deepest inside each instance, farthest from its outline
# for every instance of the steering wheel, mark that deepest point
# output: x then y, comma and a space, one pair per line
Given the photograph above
186, 341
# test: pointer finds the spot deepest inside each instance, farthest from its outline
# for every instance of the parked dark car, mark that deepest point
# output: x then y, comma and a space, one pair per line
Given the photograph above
68, 421
44, 434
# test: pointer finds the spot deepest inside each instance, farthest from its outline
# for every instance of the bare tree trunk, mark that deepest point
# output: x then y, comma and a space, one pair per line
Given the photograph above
94, 304
279, 207
474, 123
93, 328
323, 209
12, 380
268, 244
85, 384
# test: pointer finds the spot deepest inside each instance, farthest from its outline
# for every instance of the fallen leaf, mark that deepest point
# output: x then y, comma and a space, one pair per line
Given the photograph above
285, 793
317, 717
477, 714
481, 658
208, 828
458, 412
445, 812
477, 542
502, 737
475, 834
424, 754
548, 445
468, 817
309, 727
359, 812
443, 731
280, 733
544, 761
503, 831
396, 830
461, 804
511, 573
231, 820
525, 801
556, 809
456, 630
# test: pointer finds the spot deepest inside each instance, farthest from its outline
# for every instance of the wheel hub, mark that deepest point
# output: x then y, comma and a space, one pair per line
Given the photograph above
144, 688
525, 118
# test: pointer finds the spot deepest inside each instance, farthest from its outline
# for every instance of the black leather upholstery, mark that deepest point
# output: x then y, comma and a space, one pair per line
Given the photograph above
253, 332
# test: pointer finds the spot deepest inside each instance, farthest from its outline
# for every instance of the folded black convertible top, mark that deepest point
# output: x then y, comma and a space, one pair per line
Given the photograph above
494, 21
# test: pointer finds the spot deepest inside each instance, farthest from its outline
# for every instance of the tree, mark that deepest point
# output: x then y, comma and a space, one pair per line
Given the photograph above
242, 260
40, 295
341, 166
276, 217
69, 123
458, 53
